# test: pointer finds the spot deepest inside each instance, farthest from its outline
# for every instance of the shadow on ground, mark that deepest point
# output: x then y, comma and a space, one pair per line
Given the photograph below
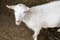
8, 29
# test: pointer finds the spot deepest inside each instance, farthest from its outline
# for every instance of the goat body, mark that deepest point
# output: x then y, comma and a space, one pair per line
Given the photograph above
41, 16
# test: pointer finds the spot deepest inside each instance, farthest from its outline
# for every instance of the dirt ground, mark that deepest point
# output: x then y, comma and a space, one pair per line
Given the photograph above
10, 31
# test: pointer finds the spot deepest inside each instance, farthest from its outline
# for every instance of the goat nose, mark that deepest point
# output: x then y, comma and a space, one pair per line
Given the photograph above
17, 22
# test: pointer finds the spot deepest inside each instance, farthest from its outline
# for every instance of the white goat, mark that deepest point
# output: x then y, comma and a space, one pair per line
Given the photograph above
37, 17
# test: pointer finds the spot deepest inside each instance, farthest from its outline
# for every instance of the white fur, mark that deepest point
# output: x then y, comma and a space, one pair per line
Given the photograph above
37, 17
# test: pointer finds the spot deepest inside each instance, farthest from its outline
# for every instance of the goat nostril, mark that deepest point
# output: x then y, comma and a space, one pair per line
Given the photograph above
18, 21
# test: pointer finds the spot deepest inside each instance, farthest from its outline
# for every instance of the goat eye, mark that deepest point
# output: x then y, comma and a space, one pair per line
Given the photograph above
24, 12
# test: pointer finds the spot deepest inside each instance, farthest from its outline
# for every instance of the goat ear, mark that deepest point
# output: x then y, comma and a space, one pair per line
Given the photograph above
10, 7
28, 10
